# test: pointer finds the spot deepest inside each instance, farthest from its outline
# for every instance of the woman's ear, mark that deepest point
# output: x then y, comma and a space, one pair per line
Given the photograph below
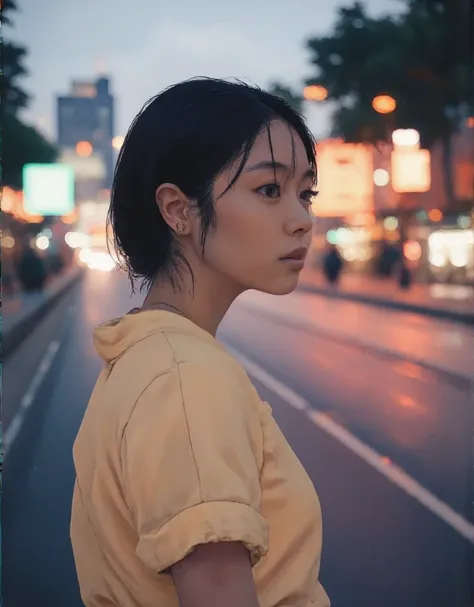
174, 207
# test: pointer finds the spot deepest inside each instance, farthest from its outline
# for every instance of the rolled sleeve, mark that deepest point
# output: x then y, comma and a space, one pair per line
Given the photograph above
192, 452
202, 524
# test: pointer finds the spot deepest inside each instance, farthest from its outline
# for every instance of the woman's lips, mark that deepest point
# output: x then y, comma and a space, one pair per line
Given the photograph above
296, 255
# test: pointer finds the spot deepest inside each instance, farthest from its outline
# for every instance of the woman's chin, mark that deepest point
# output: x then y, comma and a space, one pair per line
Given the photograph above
283, 286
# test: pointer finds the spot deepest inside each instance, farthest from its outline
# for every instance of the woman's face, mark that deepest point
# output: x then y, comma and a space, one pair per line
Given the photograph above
263, 223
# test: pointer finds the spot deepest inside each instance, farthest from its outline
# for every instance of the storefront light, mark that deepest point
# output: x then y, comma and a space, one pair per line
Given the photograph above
458, 257
349, 254
450, 246
451, 238
438, 259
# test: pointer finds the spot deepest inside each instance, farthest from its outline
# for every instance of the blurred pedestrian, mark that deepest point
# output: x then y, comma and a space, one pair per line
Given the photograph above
388, 260
184, 482
404, 275
332, 265
31, 271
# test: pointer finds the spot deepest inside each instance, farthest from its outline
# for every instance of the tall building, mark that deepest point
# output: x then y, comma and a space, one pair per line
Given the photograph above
87, 115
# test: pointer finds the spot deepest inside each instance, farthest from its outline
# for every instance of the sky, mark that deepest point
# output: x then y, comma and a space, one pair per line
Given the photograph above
157, 43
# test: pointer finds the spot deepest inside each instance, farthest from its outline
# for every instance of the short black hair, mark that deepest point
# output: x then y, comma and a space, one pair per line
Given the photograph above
187, 135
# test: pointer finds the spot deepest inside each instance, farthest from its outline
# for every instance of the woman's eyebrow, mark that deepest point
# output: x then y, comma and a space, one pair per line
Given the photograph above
275, 166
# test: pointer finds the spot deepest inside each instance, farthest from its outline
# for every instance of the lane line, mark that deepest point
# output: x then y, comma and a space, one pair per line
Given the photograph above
16, 424
374, 459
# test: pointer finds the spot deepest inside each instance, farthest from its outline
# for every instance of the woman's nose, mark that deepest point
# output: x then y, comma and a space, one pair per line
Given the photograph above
301, 221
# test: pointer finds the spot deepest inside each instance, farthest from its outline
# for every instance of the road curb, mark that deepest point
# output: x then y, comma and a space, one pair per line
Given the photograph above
403, 306
14, 336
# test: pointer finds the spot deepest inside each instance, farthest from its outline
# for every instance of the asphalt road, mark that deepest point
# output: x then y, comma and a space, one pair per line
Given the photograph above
387, 442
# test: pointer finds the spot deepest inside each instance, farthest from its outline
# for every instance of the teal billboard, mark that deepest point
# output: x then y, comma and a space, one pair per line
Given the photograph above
48, 189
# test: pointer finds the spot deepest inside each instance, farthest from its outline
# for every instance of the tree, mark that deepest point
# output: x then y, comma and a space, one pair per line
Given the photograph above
13, 69
23, 143
284, 91
416, 57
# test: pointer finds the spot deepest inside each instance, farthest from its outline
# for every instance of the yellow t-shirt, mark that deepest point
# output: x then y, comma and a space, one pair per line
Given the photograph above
176, 449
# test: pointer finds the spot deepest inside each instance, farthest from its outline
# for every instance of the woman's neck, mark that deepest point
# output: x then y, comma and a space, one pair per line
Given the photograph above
205, 304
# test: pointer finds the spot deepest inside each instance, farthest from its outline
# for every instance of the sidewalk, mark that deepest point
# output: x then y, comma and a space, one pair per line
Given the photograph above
451, 302
22, 311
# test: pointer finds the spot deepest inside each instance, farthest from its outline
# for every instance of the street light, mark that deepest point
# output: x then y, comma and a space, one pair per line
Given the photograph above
84, 149
384, 104
315, 92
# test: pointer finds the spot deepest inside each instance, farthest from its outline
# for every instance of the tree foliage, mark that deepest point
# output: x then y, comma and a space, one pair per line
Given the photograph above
421, 57
418, 57
14, 96
23, 144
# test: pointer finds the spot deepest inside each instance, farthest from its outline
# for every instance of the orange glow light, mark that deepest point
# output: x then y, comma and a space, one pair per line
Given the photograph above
470, 122
393, 236
412, 250
13, 203
84, 149
435, 215
384, 104
69, 219
315, 92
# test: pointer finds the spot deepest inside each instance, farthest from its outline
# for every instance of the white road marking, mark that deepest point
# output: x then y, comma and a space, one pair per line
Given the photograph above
374, 459
17, 422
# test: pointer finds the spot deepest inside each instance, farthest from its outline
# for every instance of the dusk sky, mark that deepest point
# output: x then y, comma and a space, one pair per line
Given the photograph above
155, 44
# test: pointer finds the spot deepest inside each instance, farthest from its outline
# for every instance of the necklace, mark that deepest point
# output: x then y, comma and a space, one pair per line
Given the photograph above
159, 305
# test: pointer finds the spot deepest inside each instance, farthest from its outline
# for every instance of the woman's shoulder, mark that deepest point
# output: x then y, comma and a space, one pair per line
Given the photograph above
214, 389
166, 353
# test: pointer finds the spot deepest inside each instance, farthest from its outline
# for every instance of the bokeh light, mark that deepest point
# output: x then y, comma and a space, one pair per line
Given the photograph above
84, 149
384, 104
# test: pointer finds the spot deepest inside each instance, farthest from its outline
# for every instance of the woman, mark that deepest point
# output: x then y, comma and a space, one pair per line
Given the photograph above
187, 493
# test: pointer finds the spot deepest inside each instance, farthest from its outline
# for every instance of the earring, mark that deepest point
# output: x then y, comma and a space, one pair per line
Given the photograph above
180, 228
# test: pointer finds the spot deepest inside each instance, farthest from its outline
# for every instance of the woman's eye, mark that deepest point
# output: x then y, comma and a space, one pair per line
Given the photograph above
271, 190
309, 195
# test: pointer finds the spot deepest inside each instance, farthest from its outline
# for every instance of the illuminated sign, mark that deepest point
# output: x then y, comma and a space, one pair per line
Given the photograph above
411, 170
48, 189
345, 179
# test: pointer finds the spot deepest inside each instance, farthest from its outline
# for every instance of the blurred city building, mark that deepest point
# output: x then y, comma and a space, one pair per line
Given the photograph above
85, 126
